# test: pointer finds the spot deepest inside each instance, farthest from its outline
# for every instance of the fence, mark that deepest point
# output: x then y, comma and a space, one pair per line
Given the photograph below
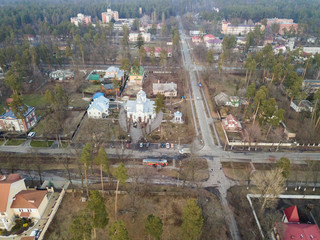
53, 213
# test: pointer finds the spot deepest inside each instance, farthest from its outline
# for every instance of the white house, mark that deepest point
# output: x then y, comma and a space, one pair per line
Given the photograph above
99, 108
141, 109
30, 203
303, 105
9, 187
114, 72
165, 89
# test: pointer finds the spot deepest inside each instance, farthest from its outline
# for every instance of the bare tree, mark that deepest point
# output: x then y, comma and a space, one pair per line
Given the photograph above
269, 184
252, 134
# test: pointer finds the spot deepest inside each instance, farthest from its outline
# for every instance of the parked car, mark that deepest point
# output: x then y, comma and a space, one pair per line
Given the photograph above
147, 144
167, 145
141, 144
162, 145
172, 145
34, 232
38, 234
128, 145
31, 134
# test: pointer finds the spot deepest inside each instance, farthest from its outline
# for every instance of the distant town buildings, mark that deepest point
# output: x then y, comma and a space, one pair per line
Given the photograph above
133, 37
231, 124
285, 25
241, 29
157, 51
109, 15
81, 19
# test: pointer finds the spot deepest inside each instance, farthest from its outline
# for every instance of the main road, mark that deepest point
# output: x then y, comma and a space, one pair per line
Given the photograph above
217, 177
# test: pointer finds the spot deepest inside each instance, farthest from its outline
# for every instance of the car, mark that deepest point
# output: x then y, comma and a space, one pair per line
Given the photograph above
198, 98
200, 84
172, 145
162, 145
167, 145
147, 144
141, 144
31, 134
34, 232
38, 234
128, 145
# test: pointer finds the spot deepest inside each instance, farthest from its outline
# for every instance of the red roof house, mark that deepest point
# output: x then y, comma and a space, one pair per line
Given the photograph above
208, 37
196, 39
291, 214
231, 124
288, 231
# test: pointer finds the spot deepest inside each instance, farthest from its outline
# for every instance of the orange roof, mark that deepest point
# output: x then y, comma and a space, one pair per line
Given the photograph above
25, 214
5, 184
28, 199
292, 214
28, 238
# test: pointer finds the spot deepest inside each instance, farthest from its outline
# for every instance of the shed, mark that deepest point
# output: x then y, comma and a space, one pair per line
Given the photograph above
94, 77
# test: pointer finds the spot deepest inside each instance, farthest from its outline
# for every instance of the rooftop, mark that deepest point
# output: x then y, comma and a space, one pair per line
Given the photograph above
28, 199
5, 185
10, 114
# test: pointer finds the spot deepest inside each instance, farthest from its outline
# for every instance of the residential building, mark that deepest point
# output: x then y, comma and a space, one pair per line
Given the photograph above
195, 33
114, 72
223, 99
99, 107
208, 37
157, 51
241, 29
312, 50
303, 105
215, 44
109, 15
133, 37
165, 89
279, 49
9, 187
10, 123
108, 88
62, 75
285, 24
312, 40
196, 39
136, 78
81, 19
30, 203
311, 84
292, 228
140, 110
231, 124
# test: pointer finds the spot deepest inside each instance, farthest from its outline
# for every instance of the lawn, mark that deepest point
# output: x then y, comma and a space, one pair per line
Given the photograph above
15, 142
1, 142
41, 144
34, 100
77, 101
93, 88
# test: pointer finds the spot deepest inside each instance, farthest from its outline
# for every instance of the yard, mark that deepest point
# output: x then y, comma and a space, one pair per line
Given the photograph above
101, 130
135, 207
41, 144
34, 100
45, 128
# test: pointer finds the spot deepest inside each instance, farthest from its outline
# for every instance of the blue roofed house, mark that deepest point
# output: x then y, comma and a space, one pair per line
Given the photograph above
114, 72
99, 107
10, 123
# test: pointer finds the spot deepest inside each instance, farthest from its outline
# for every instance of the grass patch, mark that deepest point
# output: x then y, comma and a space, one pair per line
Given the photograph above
1, 142
93, 88
64, 145
34, 100
42, 144
15, 142
2, 108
